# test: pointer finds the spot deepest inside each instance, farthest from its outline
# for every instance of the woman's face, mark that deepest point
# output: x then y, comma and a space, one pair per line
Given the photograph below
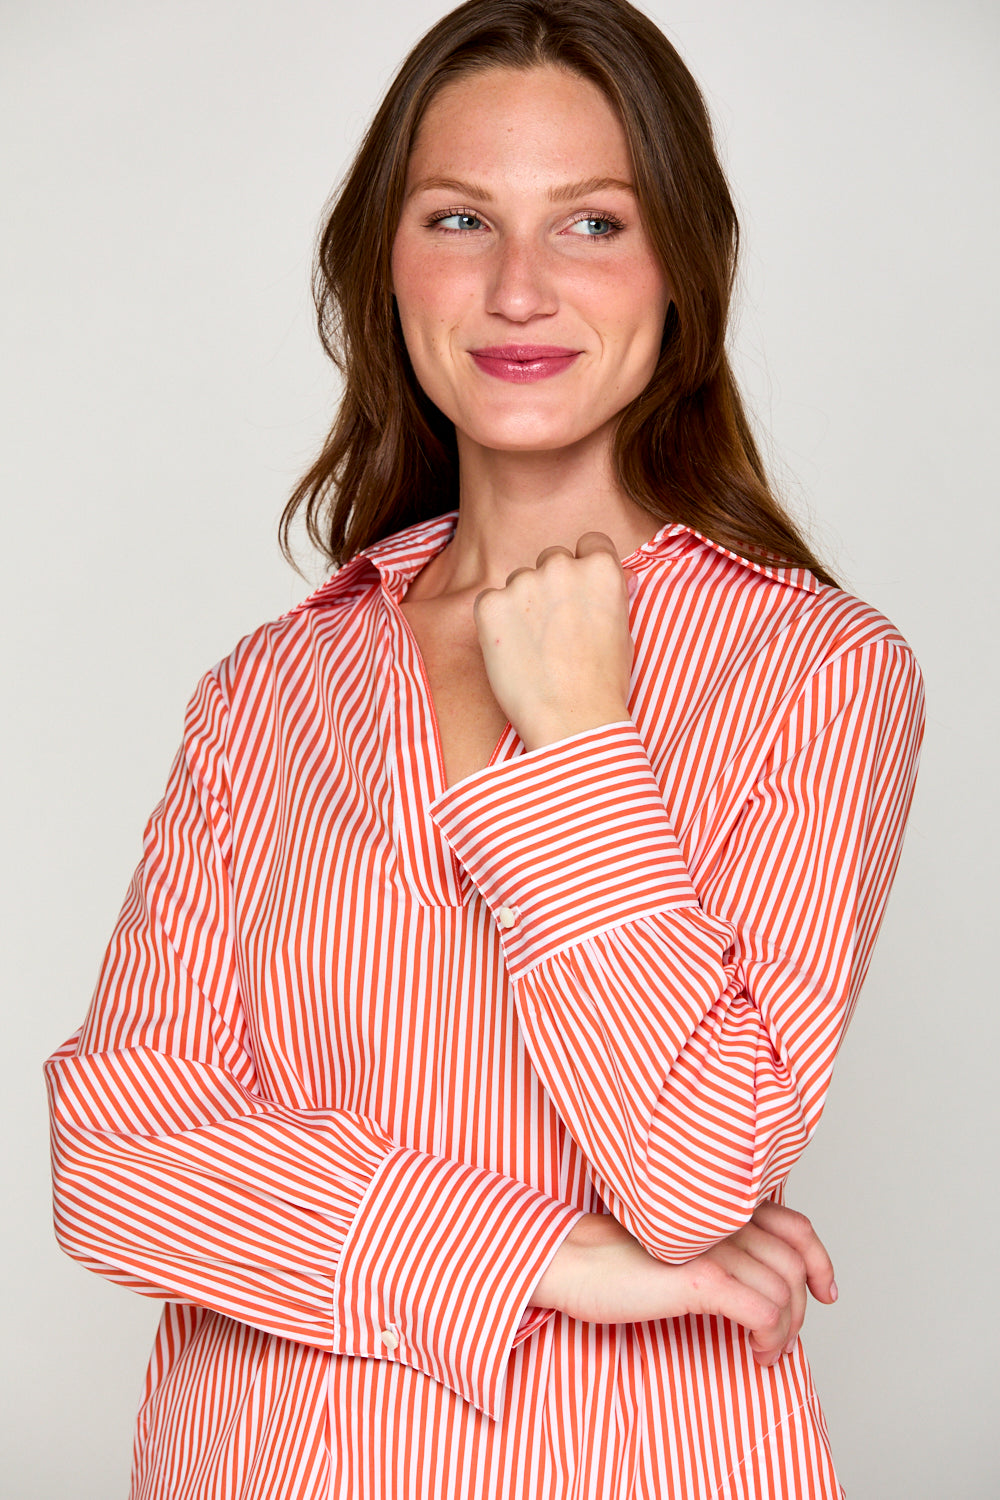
530, 298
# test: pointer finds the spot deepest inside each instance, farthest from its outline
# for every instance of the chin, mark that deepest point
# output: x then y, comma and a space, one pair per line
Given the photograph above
542, 440
531, 435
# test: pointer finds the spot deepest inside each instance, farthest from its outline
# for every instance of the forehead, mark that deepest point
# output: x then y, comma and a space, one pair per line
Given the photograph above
520, 124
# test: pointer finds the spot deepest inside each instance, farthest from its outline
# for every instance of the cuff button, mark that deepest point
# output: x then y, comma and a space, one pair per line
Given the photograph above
389, 1338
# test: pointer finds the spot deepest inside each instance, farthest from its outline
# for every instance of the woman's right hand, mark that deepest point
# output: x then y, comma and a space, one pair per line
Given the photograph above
757, 1278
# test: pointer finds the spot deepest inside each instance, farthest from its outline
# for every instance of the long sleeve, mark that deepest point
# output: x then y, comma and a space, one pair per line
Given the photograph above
687, 1036
177, 1173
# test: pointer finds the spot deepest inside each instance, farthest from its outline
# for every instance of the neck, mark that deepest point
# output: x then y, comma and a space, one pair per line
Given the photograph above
512, 505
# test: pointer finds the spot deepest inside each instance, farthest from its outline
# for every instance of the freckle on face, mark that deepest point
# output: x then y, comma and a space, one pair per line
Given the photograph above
517, 275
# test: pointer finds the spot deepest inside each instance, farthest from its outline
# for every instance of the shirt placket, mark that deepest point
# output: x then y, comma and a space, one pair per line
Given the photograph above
428, 869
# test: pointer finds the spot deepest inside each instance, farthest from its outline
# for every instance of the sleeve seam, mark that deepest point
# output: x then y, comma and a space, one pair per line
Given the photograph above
521, 971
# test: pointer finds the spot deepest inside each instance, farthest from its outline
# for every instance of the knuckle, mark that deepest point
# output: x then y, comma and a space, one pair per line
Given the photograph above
795, 1228
797, 1266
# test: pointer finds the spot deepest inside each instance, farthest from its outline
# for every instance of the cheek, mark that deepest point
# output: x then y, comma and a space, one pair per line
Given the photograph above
408, 288
426, 317
628, 304
436, 310
413, 285
649, 297
426, 307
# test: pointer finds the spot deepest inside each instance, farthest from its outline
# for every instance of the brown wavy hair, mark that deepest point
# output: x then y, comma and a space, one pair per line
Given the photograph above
683, 449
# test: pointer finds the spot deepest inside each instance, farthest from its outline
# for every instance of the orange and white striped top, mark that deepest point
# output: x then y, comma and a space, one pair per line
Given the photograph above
364, 1048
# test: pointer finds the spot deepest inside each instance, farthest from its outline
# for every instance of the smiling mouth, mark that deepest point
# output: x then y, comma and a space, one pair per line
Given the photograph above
522, 363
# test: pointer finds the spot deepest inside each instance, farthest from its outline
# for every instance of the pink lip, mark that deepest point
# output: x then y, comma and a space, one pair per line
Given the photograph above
522, 363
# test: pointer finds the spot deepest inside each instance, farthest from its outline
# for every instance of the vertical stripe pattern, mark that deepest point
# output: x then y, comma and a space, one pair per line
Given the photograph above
364, 1047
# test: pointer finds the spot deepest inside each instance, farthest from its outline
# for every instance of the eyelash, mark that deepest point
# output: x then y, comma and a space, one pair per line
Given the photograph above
617, 225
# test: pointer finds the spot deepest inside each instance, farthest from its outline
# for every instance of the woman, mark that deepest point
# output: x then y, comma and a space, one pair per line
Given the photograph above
483, 974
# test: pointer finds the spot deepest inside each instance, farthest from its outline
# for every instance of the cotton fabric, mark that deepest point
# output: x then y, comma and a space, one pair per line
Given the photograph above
364, 1048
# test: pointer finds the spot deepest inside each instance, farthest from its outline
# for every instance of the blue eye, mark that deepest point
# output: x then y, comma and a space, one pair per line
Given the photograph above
458, 222
598, 229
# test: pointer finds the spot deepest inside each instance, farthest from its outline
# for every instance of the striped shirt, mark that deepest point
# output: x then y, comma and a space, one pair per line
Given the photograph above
364, 1047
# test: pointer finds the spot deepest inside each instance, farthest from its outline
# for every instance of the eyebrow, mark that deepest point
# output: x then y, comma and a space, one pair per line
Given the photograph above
562, 194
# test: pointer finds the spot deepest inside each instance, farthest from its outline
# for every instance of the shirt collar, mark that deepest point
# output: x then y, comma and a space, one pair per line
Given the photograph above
399, 558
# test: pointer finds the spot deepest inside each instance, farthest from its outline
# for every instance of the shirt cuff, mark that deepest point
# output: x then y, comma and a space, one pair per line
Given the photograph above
566, 841
437, 1268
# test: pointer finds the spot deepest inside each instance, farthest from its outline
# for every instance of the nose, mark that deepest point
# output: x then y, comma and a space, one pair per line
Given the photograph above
521, 286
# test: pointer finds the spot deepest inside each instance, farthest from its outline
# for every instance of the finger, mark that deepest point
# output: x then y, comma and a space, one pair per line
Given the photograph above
725, 1285
596, 541
480, 602
511, 576
797, 1230
771, 1335
783, 1258
548, 552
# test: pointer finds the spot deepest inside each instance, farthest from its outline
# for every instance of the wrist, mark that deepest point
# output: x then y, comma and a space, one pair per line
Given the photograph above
562, 1275
551, 728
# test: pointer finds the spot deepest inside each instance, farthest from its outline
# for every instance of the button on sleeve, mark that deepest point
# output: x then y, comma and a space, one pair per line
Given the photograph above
578, 830
447, 1294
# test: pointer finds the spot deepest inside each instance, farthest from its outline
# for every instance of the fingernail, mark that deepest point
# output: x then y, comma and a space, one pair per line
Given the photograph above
834, 1294
631, 583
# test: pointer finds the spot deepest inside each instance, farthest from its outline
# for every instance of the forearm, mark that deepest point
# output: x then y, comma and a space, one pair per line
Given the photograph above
687, 1036
757, 1277
311, 1225
172, 1177
572, 1260
679, 1099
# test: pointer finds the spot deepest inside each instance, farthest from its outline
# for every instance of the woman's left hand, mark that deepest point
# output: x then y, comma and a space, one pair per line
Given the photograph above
556, 642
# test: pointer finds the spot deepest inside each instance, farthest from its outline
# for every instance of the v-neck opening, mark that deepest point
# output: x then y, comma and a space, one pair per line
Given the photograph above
431, 869
508, 736
441, 778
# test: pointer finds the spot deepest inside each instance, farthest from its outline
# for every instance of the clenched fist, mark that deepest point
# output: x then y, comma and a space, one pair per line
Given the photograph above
556, 644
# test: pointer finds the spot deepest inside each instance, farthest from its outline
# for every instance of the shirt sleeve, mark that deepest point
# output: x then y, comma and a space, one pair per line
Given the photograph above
687, 1036
177, 1174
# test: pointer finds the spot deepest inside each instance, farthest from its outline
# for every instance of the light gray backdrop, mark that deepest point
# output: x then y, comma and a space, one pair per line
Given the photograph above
163, 388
